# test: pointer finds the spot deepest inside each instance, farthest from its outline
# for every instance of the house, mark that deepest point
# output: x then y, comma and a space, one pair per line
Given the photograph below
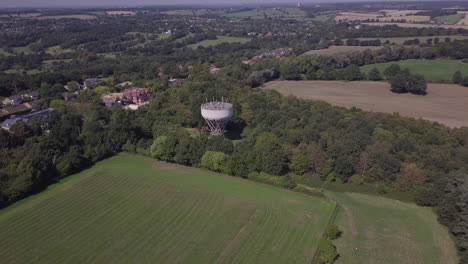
136, 95
13, 100
80, 87
111, 99
33, 104
26, 118
215, 70
32, 96
130, 98
174, 82
92, 82
124, 84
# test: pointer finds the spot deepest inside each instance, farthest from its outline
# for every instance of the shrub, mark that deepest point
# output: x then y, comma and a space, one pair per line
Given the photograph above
457, 77
327, 251
332, 232
214, 160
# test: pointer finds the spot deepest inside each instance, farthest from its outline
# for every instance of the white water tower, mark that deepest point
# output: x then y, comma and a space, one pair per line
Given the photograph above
217, 115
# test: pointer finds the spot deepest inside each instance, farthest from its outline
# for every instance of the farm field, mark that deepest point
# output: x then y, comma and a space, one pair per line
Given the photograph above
444, 103
57, 50
120, 13
401, 40
285, 13
452, 19
25, 50
332, 50
383, 16
218, 40
390, 231
134, 209
82, 17
439, 70
416, 25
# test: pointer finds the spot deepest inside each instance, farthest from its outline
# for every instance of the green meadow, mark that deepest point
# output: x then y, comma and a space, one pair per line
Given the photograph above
438, 71
131, 209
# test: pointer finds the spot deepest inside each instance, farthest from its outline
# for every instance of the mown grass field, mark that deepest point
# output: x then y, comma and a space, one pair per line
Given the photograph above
453, 19
389, 231
439, 70
131, 209
218, 40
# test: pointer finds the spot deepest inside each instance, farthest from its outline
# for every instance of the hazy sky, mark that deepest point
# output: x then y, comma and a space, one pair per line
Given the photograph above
62, 3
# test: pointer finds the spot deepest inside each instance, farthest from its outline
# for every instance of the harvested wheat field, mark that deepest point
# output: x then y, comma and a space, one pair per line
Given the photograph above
444, 103
415, 25
82, 17
464, 20
401, 40
340, 49
120, 13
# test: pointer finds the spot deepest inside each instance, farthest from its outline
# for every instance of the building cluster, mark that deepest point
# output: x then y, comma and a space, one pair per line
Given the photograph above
131, 98
278, 53
25, 118
20, 103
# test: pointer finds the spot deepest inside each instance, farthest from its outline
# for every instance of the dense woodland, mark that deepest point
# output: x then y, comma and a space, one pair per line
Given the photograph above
272, 138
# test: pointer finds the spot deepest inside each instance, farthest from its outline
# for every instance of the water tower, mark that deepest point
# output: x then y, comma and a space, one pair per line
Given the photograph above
217, 115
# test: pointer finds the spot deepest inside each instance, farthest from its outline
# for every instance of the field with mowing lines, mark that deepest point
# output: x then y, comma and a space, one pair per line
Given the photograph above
444, 103
438, 71
389, 231
219, 40
131, 209
332, 50
452, 19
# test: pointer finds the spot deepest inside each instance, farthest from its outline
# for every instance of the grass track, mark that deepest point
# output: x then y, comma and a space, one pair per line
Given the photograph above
439, 70
389, 231
132, 209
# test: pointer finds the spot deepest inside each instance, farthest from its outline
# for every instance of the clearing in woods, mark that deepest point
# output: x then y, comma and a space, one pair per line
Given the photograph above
444, 103
219, 40
390, 231
132, 209
439, 70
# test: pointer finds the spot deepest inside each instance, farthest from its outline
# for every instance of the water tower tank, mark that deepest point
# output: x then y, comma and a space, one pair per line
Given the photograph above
217, 115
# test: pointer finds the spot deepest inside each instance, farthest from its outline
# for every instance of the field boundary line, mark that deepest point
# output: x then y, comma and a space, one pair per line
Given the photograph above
331, 221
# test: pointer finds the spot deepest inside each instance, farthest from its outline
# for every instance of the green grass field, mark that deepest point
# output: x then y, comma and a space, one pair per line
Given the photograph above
4, 52
285, 13
389, 231
219, 40
131, 209
26, 50
452, 19
57, 50
439, 70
